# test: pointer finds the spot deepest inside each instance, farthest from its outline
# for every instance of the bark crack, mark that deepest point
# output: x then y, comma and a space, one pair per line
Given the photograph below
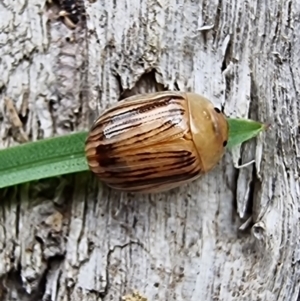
226, 67
289, 51
108, 262
217, 19
289, 14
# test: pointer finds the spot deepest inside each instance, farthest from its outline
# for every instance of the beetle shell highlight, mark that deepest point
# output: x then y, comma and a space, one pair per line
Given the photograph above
157, 141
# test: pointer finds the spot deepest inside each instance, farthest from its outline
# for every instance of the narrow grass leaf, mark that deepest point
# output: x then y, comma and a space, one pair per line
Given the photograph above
43, 159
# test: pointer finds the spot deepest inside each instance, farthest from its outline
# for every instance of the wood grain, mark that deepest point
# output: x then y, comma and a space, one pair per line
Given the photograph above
72, 238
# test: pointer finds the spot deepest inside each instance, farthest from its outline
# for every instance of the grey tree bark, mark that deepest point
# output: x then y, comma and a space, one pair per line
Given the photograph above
231, 235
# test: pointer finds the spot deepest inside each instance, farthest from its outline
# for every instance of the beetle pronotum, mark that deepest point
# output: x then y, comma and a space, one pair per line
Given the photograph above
157, 141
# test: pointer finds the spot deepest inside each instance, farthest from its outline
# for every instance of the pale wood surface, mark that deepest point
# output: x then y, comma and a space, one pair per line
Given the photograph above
72, 238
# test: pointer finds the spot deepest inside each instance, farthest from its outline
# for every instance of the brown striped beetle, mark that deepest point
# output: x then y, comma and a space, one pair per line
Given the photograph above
157, 141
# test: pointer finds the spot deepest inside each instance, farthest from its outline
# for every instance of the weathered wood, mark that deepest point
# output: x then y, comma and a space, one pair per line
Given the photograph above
74, 239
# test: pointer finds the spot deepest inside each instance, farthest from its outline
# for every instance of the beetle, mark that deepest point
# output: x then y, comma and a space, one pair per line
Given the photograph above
156, 141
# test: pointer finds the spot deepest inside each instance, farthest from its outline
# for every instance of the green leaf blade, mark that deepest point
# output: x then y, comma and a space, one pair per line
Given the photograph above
241, 130
43, 159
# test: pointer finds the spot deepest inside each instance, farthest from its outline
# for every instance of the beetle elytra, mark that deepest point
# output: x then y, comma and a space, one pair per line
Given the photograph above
157, 141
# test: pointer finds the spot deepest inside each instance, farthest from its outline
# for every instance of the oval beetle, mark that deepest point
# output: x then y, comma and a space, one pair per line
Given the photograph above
157, 141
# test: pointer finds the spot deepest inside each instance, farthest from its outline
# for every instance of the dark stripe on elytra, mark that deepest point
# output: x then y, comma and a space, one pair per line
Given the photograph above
161, 155
148, 134
106, 160
112, 131
137, 110
177, 162
137, 125
182, 163
119, 130
120, 120
105, 148
151, 172
154, 103
122, 142
158, 180
128, 103
155, 157
112, 161
100, 135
